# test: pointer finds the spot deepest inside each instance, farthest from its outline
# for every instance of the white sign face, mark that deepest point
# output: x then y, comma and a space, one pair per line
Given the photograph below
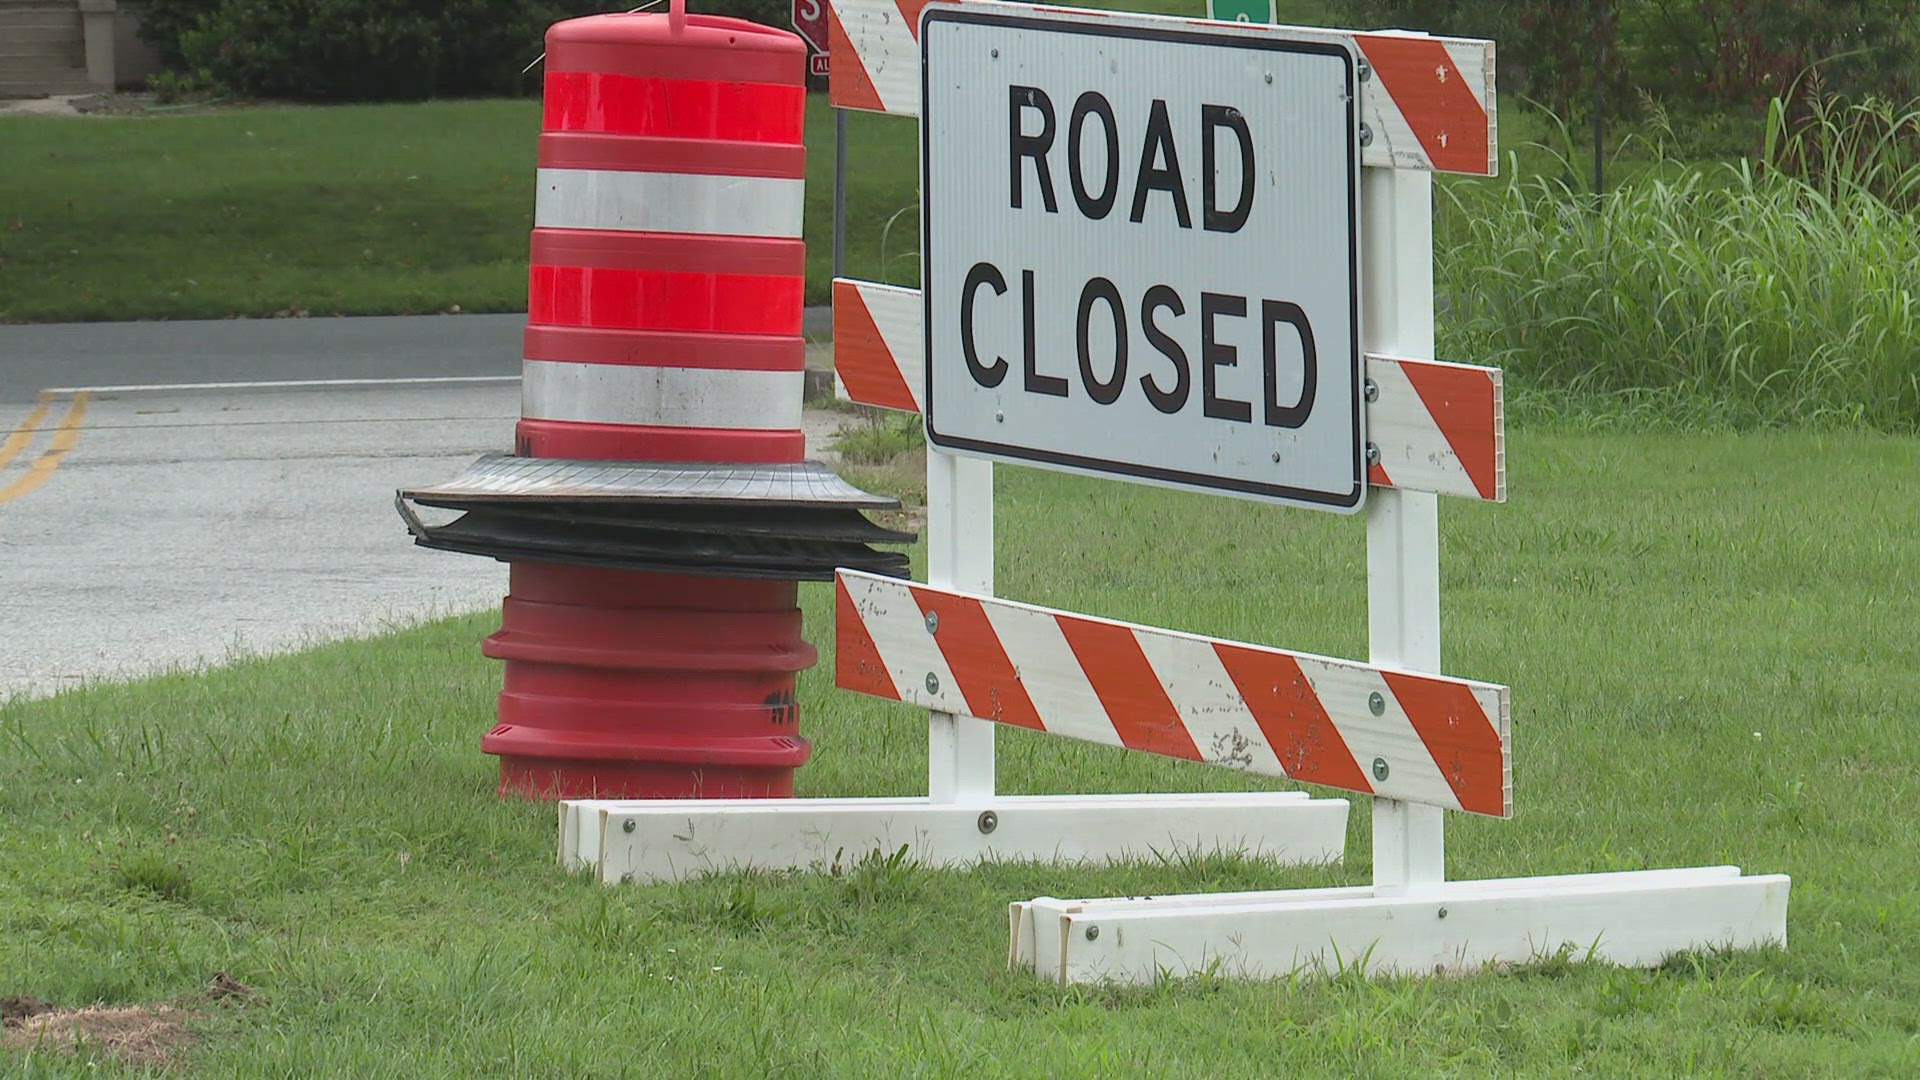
1140, 254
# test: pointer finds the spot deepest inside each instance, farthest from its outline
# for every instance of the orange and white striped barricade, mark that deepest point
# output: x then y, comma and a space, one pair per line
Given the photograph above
962, 819
1431, 428
1418, 743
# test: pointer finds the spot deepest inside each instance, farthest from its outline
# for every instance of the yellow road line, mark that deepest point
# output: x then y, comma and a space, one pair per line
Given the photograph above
65, 437
19, 437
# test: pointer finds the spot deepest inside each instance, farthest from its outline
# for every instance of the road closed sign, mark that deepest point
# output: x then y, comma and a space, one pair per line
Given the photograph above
1140, 254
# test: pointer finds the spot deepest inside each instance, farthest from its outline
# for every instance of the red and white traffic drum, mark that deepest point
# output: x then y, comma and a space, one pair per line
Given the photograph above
664, 300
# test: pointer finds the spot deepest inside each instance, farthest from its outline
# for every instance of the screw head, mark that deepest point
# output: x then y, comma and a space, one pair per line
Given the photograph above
987, 821
933, 683
1366, 135
1373, 454
1380, 769
933, 622
1365, 71
1269, 77
999, 418
629, 825
1443, 913
1092, 932
1276, 457
1372, 390
1376, 704
995, 53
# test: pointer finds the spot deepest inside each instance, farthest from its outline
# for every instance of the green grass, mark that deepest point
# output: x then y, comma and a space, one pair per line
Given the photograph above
364, 209
1710, 639
1776, 301
372, 209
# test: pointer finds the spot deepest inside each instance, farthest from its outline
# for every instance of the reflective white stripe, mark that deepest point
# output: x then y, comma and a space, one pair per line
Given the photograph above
668, 202
661, 396
1057, 685
1218, 720
1413, 449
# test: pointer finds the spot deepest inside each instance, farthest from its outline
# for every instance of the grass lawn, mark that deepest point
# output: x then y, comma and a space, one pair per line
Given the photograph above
377, 209
371, 209
365, 210
1712, 648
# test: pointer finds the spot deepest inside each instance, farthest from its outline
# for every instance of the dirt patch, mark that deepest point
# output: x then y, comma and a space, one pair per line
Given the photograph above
15, 1008
113, 104
141, 1035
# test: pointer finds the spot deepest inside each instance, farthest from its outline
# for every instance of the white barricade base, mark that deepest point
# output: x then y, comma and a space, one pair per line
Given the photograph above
674, 839
1637, 918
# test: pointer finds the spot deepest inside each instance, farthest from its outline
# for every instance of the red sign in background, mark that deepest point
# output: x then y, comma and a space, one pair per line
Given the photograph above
810, 22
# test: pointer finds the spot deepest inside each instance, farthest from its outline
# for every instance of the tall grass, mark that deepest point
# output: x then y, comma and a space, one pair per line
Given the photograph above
1781, 295
1841, 146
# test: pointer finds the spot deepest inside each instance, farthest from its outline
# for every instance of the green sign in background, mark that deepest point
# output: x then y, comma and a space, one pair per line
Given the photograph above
1253, 11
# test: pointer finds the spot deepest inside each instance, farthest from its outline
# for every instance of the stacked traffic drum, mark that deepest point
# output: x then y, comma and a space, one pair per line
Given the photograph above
664, 305
659, 510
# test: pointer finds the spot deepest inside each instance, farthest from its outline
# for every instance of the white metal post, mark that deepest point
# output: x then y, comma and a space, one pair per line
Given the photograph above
959, 556
1403, 527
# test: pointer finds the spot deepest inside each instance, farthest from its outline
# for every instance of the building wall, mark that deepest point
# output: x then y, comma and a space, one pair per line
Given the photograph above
43, 49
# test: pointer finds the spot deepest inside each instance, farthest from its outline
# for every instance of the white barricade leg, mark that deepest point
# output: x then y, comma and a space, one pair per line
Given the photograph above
1635, 918
670, 840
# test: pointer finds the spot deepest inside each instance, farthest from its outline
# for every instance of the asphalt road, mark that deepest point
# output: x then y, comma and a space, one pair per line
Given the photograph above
146, 529
33, 357
255, 350
182, 529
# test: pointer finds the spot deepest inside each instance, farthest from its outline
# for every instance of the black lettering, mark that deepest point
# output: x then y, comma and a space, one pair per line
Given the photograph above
983, 273
1103, 392
1167, 401
1035, 383
1215, 355
1213, 219
1019, 145
1154, 177
1088, 104
1272, 314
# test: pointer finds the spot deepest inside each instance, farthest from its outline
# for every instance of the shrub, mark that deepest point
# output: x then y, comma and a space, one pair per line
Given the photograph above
1547, 49
1687, 54
373, 50
1741, 54
163, 21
